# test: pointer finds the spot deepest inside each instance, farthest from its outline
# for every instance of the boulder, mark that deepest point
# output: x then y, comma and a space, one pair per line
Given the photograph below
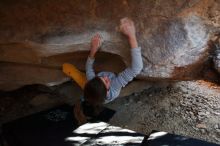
37, 37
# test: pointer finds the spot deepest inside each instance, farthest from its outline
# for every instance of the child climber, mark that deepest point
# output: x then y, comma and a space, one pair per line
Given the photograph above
105, 86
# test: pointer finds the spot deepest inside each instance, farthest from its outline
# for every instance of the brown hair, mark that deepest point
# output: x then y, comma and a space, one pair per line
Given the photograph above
83, 111
95, 91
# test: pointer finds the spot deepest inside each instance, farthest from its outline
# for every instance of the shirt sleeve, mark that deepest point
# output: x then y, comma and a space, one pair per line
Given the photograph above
90, 73
129, 73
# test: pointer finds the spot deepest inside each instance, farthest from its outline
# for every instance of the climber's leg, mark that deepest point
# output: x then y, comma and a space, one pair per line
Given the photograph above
78, 76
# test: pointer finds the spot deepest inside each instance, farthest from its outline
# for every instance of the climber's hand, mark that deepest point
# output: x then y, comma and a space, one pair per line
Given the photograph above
96, 42
127, 28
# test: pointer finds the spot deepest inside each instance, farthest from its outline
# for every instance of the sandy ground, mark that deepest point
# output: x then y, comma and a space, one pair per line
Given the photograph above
184, 108
189, 108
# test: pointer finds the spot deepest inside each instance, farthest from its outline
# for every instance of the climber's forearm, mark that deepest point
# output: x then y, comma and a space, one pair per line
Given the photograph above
133, 41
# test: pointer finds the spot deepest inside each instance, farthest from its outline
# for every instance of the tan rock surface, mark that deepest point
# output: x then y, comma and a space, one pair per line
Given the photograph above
174, 36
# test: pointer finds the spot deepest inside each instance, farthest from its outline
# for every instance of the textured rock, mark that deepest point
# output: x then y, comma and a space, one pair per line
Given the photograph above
17, 75
40, 100
216, 58
173, 35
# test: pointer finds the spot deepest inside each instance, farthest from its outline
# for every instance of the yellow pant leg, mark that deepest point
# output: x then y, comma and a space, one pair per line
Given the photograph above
78, 76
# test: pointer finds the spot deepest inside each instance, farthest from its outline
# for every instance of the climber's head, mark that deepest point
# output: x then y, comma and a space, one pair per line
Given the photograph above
96, 89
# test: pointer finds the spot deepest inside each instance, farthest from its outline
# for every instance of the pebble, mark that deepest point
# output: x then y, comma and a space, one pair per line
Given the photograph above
203, 131
201, 113
195, 128
157, 115
201, 126
216, 126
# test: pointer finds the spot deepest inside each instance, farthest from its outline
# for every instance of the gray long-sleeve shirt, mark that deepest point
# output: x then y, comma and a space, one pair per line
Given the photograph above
122, 79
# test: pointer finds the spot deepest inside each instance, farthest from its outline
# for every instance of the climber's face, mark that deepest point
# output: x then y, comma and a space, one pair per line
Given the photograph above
106, 81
